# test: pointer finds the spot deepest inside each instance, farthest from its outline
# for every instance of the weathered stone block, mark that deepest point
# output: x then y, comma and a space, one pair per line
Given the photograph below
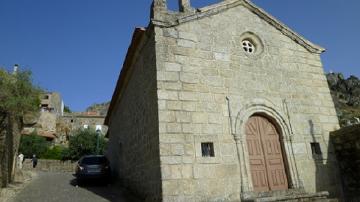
187, 171
183, 117
171, 160
185, 43
172, 67
173, 105
173, 128
177, 149
188, 36
171, 187
299, 148
189, 78
171, 138
222, 56
188, 96
191, 128
189, 106
167, 116
168, 95
200, 117
215, 118
172, 85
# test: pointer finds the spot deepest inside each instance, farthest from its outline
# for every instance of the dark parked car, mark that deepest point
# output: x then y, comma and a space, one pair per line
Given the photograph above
93, 167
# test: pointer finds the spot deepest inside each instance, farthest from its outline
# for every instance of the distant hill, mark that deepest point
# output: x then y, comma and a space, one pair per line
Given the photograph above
101, 108
346, 96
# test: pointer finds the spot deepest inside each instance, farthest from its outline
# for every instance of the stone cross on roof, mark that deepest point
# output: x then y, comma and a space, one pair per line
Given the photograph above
184, 5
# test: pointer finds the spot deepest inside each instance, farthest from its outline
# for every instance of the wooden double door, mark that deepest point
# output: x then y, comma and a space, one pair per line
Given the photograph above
265, 155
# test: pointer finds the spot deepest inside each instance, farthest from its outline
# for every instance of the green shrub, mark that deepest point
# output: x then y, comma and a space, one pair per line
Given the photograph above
83, 142
55, 153
33, 144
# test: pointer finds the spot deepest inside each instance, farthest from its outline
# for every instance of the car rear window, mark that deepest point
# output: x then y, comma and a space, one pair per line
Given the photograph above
94, 160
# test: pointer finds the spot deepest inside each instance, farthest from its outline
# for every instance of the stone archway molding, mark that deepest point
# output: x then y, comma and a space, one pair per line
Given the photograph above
276, 113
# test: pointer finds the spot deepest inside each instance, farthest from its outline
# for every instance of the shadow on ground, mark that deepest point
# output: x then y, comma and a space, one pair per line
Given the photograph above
107, 190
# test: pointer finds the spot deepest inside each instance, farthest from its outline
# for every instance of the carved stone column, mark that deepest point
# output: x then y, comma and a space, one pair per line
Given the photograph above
242, 164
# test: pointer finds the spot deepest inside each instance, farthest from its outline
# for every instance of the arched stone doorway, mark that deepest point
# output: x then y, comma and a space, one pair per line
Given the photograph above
266, 155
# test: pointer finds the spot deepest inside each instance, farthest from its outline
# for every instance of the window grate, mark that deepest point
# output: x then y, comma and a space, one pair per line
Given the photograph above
207, 149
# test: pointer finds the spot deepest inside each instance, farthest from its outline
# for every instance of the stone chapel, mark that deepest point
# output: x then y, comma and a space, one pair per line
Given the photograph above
222, 103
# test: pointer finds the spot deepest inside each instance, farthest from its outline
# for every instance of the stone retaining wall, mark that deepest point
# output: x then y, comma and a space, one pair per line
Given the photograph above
50, 165
347, 147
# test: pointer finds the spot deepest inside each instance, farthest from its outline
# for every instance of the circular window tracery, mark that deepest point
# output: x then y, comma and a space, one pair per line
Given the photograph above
251, 44
248, 46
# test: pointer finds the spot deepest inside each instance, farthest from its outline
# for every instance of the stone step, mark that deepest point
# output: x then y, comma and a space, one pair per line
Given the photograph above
292, 195
289, 192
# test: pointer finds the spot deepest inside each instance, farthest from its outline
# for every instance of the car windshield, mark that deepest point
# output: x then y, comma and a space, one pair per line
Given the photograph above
94, 160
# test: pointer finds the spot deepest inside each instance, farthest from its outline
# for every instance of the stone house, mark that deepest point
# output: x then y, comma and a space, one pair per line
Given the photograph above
44, 123
57, 126
222, 103
69, 123
52, 102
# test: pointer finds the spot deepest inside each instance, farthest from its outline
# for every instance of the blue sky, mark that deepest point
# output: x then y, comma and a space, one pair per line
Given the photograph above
77, 47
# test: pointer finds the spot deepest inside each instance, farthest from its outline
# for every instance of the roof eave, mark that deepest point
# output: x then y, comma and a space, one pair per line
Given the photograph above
137, 36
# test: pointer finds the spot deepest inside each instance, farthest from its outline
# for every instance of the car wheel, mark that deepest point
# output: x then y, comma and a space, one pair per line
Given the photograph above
79, 182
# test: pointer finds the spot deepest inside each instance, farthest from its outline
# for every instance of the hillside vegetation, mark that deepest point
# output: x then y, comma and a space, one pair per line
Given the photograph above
101, 108
346, 96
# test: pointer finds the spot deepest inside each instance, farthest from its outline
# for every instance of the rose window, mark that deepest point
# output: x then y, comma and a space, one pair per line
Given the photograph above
248, 47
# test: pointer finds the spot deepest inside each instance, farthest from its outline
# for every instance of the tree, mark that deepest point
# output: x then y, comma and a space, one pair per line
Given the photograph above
83, 142
18, 96
33, 144
67, 109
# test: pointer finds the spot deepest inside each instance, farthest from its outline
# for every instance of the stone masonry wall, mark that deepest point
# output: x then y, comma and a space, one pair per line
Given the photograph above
199, 64
75, 122
50, 165
133, 148
347, 146
47, 121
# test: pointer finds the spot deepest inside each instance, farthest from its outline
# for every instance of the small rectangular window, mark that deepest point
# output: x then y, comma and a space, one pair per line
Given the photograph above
315, 148
207, 149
